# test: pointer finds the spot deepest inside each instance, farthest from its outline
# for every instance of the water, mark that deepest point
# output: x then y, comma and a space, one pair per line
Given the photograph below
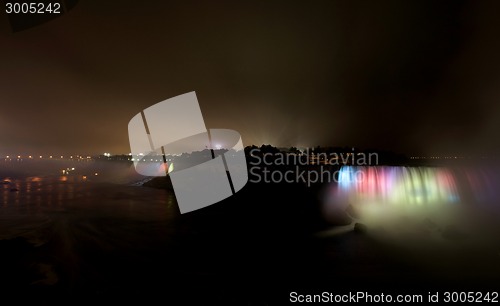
399, 185
35, 195
100, 236
74, 225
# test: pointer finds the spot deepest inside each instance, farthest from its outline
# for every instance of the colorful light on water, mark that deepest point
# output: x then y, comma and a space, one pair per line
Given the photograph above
417, 206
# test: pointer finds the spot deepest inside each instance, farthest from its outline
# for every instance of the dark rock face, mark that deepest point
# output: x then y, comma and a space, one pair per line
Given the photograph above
338, 217
360, 228
162, 182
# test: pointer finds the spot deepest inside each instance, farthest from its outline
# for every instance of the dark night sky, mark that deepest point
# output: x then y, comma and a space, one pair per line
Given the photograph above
410, 76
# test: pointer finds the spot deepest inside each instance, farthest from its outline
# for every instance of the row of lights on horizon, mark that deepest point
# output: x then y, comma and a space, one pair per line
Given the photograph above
106, 154
49, 157
72, 157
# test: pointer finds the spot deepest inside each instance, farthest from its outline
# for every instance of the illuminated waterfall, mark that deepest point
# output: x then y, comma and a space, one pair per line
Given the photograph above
397, 185
413, 205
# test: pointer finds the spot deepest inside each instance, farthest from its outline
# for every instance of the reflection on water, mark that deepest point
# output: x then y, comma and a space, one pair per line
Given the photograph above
32, 192
28, 205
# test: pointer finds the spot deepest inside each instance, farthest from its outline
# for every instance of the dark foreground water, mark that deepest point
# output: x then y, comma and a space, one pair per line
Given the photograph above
69, 240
